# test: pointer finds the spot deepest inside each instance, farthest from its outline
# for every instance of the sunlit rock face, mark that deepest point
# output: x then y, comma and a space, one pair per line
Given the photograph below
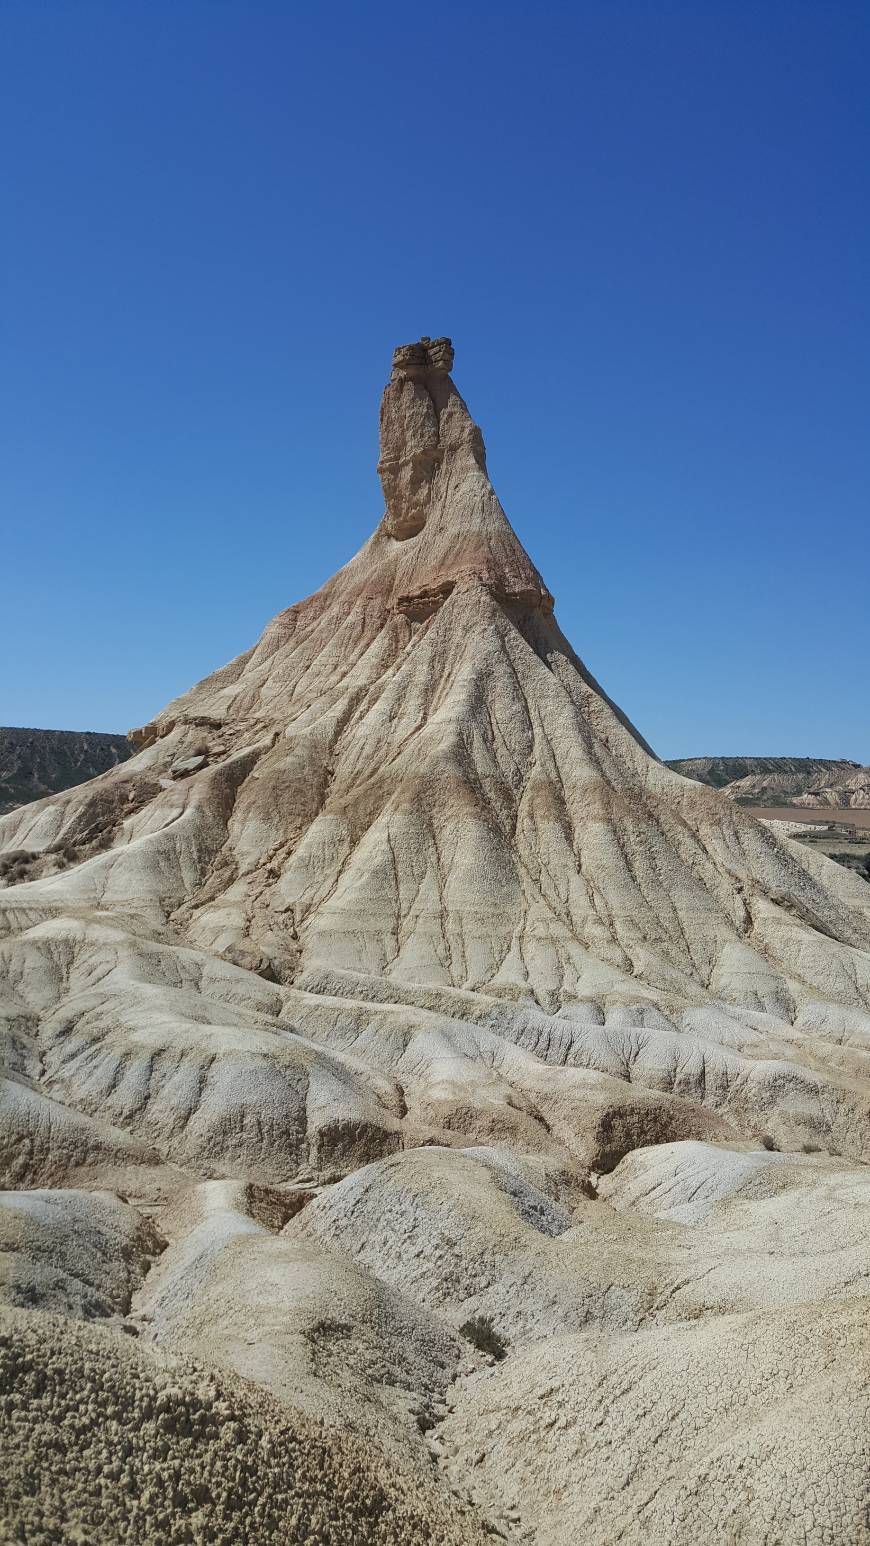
394, 984
411, 448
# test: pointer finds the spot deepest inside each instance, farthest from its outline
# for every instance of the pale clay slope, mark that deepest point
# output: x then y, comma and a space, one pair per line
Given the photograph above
403, 876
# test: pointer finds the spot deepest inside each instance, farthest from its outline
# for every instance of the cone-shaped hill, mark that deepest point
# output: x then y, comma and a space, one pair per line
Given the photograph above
403, 878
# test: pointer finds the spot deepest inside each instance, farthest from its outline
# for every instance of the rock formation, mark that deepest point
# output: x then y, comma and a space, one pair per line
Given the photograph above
850, 793
396, 987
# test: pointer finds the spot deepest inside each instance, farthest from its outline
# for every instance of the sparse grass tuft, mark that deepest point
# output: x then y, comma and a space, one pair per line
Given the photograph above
481, 1333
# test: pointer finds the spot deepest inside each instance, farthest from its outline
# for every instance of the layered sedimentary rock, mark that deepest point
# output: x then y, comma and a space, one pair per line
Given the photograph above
395, 984
852, 793
801, 781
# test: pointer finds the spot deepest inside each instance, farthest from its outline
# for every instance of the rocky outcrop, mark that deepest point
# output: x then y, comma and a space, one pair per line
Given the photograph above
433, 469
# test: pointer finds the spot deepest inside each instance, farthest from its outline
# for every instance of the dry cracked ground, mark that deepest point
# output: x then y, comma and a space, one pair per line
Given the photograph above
425, 1116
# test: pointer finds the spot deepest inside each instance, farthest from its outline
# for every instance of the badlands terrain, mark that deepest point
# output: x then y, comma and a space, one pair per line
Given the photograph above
426, 1116
812, 783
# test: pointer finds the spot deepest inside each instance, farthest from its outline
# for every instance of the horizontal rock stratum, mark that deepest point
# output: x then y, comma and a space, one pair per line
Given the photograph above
393, 989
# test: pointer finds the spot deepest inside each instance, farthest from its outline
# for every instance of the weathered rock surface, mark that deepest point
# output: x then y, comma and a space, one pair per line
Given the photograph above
105, 1442
392, 987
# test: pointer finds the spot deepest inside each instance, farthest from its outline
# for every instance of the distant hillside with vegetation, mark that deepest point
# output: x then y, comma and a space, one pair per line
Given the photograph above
34, 763
803, 781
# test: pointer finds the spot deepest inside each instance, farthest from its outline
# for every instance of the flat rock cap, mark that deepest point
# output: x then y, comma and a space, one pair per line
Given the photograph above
427, 356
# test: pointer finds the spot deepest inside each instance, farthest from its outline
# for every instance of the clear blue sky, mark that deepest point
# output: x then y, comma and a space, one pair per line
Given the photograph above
646, 228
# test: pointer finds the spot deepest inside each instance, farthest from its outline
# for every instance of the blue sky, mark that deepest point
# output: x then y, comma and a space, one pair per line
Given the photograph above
646, 228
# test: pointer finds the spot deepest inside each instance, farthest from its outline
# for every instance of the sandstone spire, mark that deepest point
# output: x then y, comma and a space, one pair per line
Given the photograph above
411, 446
433, 470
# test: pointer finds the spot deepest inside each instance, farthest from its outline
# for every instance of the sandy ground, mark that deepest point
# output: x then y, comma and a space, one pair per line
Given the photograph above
854, 817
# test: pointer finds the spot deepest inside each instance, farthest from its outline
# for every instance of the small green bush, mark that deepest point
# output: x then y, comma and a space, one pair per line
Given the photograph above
481, 1333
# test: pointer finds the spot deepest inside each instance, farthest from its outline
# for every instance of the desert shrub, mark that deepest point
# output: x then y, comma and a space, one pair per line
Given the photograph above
768, 1143
16, 861
811, 1148
860, 863
62, 855
481, 1333
15, 866
328, 1330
